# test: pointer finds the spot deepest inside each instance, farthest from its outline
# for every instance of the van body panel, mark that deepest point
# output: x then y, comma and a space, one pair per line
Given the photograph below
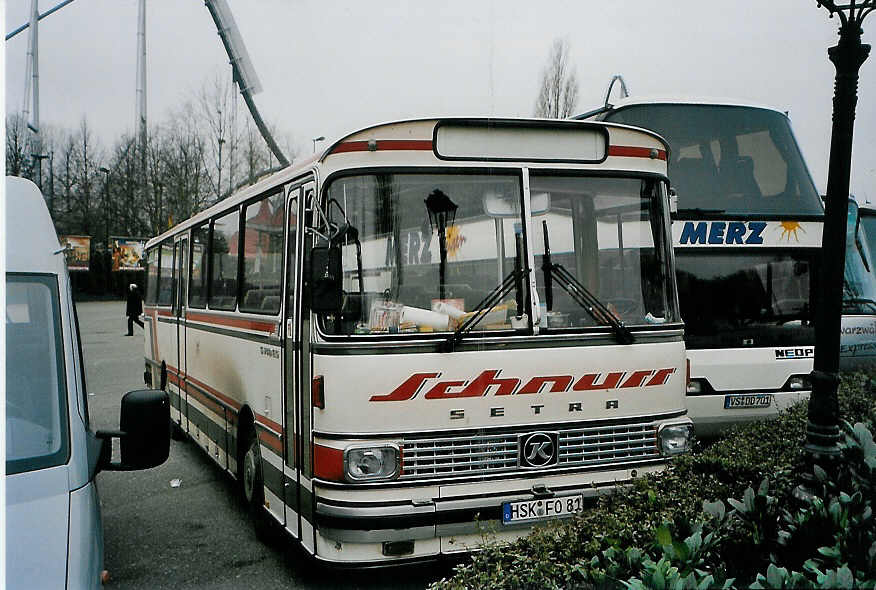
37, 512
85, 539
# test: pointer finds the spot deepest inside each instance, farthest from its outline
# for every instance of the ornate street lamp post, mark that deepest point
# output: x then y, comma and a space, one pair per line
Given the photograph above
442, 212
822, 427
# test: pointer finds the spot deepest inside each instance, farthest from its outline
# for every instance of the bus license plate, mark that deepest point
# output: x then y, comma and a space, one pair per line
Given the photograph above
531, 510
744, 401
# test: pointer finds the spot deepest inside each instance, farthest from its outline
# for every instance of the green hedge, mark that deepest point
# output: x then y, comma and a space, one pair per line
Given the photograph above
600, 547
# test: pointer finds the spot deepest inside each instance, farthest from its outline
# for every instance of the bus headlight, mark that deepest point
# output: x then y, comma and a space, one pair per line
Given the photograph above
371, 463
799, 382
675, 439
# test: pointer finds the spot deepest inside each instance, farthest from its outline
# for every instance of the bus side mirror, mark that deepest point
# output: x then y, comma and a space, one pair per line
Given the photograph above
144, 432
326, 276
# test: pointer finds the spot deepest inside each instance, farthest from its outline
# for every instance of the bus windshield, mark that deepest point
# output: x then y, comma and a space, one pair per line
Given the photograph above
867, 228
604, 234
36, 408
729, 159
859, 296
774, 309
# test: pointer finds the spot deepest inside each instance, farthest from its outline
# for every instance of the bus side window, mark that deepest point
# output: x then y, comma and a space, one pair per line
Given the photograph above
165, 273
198, 284
262, 255
152, 276
224, 244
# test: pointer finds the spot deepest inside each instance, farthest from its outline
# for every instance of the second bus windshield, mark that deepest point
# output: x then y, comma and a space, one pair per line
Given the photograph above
729, 159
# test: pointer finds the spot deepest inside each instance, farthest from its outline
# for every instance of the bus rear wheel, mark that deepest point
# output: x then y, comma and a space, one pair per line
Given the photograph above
252, 486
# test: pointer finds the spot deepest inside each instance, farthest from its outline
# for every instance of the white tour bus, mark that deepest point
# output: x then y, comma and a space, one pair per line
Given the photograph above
747, 236
434, 331
858, 329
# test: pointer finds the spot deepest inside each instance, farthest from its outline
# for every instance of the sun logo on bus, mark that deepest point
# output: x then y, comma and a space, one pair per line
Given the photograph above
790, 228
455, 240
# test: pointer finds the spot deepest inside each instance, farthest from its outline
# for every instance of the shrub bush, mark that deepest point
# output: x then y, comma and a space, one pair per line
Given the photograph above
673, 530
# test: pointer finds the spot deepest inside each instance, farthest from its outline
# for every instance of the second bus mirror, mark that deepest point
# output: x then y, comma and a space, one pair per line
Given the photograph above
326, 277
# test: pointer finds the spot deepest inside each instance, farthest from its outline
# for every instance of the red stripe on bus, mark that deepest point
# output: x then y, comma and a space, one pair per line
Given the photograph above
208, 402
328, 463
271, 440
268, 422
382, 145
246, 324
235, 405
163, 312
627, 151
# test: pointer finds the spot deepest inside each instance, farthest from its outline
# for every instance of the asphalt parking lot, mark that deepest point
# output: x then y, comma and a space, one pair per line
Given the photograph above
196, 535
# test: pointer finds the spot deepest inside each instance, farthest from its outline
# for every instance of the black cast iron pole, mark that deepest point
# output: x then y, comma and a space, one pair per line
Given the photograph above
822, 427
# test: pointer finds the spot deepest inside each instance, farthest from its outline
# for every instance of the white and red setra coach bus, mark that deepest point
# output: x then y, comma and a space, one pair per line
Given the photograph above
434, 329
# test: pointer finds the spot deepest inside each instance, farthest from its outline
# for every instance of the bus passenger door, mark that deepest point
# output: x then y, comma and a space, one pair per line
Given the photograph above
291, 358
180, 302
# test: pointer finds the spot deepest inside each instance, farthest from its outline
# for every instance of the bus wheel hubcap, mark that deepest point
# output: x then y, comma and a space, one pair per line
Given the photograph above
249, 473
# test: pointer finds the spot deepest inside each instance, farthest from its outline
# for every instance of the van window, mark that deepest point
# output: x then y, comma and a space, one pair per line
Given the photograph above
36, 401
262, 255
223, 252
152, 276
165, 274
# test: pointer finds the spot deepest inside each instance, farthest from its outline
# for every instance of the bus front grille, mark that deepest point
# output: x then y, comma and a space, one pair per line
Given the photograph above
486, 453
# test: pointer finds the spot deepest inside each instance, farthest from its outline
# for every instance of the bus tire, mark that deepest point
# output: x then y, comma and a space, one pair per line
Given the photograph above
252, 486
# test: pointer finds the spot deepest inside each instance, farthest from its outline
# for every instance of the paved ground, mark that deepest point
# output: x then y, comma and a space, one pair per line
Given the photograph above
196, 535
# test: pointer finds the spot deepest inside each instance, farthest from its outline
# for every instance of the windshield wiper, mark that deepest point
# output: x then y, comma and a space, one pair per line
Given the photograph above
513, 281
851, 301
579, 293
591, 304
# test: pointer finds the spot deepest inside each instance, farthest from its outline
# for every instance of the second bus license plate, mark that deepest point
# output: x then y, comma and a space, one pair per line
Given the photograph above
532, 510
743, 401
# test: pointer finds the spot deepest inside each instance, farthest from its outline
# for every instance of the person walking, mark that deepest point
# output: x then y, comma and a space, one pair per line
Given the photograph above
134, 308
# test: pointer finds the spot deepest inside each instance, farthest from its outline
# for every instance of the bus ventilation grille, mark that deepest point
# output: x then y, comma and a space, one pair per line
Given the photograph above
496, 453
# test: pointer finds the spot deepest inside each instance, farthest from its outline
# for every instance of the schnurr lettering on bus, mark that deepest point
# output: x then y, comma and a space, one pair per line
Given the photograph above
719, 233
489, 381
804, 352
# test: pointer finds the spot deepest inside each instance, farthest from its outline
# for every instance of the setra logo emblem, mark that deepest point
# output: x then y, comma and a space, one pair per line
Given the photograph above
539, 449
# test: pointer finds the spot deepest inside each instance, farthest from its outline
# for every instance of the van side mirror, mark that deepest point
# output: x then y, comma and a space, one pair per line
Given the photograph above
144, 432
326, 277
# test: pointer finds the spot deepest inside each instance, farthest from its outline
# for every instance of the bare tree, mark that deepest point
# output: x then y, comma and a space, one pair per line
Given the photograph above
559, 84
215, 109
18, 147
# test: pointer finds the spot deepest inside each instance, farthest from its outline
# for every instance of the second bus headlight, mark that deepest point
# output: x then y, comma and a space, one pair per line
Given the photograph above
371, 463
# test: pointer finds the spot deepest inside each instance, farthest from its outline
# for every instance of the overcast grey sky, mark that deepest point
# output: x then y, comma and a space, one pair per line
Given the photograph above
329, 67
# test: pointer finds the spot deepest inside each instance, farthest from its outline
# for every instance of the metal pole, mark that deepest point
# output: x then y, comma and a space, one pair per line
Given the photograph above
41, 17
822, 428
108, 259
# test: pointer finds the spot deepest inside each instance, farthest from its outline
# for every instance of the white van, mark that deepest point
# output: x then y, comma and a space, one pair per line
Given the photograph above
54, 536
